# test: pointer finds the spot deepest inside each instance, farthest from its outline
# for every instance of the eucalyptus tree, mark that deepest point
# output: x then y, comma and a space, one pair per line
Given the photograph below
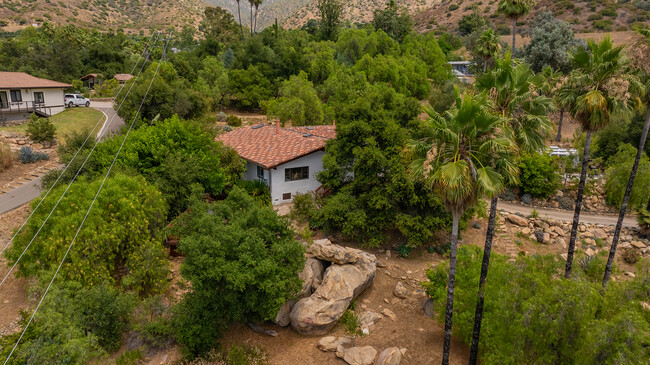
598, 87
456, 161
641, 58
515, 9
512, 87
487, 46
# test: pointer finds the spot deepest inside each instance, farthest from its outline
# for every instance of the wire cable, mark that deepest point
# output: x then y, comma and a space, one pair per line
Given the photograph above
70, 184
77, 153
88, 212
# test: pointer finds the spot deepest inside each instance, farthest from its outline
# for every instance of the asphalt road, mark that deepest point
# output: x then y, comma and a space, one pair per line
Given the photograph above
31, 190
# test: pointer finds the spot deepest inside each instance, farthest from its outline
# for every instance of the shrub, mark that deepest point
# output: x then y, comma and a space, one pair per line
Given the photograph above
453, 7
351, 323
118, 234
7, 157
532, 315
631, 255
74, 323
242, 262
304, 207
233, 121
644, 222
28, 155
539, 175
40, 129
258, 189
618, 174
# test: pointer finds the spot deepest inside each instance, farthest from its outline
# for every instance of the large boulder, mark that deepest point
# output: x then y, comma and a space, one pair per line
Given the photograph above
341, 283
311, 276
517, 220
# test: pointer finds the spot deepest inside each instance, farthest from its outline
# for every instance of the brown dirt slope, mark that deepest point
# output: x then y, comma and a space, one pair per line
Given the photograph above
132, 15
585, 16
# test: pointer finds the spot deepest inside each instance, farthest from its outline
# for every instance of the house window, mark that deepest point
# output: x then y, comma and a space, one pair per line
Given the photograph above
286, 196
16, 96
260, 172
39, 98
296, 173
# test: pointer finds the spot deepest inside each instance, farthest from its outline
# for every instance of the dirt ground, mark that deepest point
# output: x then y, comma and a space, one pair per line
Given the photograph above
19, 173
13, 293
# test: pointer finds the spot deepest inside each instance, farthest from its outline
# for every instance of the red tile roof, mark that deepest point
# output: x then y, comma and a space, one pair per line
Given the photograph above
269, 147
21, 80
123, 77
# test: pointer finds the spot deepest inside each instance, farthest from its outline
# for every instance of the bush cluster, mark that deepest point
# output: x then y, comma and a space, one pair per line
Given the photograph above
539, 175
532, 315
40, 129
28, 155
7, 157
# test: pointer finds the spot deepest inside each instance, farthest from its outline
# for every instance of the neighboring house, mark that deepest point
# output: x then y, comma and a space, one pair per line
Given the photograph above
91, 80
287, 159
123, 78
461, 70
22, 94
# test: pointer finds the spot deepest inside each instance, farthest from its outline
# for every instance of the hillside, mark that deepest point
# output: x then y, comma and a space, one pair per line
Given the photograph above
585, 16
132, 15
354, 10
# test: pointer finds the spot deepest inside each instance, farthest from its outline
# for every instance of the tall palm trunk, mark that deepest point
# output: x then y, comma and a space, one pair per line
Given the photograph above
478, 316
257, 8
251, 18
514, 35
576, 214
558, 138
449, 311
626, 198
241, 26
485, 62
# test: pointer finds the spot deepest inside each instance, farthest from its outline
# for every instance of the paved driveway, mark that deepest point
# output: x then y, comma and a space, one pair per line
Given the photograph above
113, 123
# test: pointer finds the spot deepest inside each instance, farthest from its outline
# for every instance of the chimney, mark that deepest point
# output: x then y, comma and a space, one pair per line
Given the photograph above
334, 123
277, 126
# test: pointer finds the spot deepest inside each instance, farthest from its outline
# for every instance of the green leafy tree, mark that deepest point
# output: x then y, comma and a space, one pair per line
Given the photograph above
598, 87
120, 232
406, 74
330, 18
551, 40
471, 23
617, 177
249, 87
540, 175
515, 9
219, 25
298, 103
396, 22
427, 49
458, 163
242, 262
641, 59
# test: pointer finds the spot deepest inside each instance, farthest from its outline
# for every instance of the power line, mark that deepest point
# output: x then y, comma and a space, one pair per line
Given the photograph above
70, 184
75, 155
87, 213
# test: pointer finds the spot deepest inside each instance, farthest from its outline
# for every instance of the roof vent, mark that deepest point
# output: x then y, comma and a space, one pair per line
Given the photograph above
307, 135
257, 126
310, 128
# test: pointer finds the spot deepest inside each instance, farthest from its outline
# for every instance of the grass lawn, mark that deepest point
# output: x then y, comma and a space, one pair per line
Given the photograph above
74, 119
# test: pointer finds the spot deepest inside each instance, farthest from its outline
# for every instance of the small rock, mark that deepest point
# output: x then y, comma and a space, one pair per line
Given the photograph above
520, 221
558, 230
389, 313
637, 244
525, 231
630, 274
360, 355
543, 237
526, 199
390, 356
561, 242
476, 225
387, 254
599, 234
427, 307
369, 317
590, 252
400, 290
331, 343
582, 228
403, 351
559, 194
564, 256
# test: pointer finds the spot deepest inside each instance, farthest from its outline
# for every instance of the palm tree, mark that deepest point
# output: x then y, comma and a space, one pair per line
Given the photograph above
241, 26
553, 82
487, 46
642, 61
514, 9
456, 161
599, 87
251, 3
257, 4
512, 89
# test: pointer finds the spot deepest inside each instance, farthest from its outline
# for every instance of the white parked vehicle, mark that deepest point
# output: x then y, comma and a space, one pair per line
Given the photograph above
71, 100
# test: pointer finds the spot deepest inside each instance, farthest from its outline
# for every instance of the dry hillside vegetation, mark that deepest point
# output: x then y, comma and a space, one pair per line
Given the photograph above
131, 15
585, 15
356, 10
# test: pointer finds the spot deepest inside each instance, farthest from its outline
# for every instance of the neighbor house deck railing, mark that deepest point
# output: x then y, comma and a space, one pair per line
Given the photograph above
25, 107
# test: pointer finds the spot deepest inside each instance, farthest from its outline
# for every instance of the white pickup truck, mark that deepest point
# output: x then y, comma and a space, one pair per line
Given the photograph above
71, 100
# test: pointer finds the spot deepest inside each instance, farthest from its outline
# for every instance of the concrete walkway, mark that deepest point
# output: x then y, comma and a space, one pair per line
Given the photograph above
567, 216
20, 195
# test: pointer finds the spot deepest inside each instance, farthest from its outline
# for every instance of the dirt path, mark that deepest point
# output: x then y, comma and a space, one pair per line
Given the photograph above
567, 216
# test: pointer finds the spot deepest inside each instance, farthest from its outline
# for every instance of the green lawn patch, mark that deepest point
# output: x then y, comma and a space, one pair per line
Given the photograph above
74, 119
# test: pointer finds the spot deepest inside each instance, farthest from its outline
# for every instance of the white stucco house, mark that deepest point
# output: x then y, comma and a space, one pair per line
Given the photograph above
287, 159
22, 94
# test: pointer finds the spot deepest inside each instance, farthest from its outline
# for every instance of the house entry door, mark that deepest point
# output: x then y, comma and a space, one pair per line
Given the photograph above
4, 103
